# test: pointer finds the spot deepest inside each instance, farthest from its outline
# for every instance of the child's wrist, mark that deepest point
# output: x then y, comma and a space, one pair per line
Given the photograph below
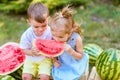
30, 53
69, 50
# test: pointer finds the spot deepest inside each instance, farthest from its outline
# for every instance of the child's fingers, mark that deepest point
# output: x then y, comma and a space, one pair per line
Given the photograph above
57, 64
49, 57
35, 52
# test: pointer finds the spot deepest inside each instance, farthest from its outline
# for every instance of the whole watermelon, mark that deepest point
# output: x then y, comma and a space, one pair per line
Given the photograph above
17, 74
93, 50
108, 64
7, 77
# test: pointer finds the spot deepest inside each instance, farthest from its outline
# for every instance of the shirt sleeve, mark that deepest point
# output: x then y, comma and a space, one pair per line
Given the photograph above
49, 34
25, 42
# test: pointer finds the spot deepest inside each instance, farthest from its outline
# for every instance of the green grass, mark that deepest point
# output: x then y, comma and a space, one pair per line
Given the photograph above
101, 25
11, 28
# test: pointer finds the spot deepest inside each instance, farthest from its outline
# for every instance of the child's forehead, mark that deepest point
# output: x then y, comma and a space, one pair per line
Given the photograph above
33, 23
59, 27
58, 32
39, 19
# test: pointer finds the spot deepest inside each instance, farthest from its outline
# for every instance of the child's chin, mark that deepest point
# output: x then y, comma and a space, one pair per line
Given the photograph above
39, 34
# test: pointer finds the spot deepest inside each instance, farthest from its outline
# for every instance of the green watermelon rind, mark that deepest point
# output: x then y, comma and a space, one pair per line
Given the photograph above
7, 77
48, 55
11, 43
17, 74
93, 50
108, 64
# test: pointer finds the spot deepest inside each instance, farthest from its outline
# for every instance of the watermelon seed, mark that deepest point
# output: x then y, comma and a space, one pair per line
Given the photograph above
3, 70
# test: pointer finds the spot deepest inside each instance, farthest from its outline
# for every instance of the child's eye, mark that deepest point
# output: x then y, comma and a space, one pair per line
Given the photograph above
36, 26
61, 37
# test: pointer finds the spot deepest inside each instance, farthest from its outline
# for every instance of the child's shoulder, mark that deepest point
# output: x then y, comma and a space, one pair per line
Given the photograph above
48, 28
74, 34
28, 30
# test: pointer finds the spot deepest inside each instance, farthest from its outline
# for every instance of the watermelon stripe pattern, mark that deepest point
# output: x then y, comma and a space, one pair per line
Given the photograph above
108, 64
6, 77
93, 50
17, 74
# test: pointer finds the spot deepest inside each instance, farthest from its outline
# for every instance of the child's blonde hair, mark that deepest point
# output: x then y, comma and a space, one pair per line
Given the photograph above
64, 18
36, 11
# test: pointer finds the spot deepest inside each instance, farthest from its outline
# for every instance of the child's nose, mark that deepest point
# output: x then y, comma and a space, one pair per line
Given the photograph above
44, 25
57, 39
41, 29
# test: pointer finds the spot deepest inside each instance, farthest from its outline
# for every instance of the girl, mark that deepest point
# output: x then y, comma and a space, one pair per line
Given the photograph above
72, 64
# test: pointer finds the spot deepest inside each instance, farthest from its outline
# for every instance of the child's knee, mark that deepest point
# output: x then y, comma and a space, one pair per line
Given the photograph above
43, 77
26, 76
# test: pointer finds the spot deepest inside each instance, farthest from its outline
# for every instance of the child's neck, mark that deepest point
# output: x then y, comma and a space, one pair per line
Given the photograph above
69, 36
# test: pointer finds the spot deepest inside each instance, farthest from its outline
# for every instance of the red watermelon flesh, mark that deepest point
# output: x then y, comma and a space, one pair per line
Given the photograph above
11, 58
50, 48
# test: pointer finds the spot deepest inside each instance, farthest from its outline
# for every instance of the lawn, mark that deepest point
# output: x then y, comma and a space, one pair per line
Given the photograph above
11, 27
100, 24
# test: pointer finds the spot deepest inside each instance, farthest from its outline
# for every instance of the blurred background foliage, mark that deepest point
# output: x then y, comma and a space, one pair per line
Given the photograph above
20, 6
100, 19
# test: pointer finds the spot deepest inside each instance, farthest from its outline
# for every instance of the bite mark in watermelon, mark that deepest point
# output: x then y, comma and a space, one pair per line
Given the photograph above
11, 58
50, 48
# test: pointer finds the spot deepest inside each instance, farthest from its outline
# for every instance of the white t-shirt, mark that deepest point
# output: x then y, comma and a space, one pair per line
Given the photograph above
27, 38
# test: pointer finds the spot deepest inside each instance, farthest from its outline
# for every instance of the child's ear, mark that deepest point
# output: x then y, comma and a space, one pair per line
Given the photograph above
28, 21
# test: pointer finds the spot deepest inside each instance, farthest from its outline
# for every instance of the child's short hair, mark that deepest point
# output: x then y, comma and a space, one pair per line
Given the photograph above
37, 10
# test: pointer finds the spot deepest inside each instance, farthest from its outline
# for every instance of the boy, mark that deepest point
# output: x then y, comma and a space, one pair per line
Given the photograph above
36, 64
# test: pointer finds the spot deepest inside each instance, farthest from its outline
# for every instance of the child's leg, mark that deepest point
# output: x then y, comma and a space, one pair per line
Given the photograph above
29, 70
56, 63
26, 76
43, 77
45, 69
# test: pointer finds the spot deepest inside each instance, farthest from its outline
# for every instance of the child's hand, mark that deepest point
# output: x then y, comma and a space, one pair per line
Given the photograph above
67, 47
35, 52
49, 57
57, 64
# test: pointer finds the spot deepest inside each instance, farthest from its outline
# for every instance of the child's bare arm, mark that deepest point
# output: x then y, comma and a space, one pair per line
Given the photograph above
56, 63
31, 52
78, 53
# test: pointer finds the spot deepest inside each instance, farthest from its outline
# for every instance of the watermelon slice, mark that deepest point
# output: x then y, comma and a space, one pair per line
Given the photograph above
49, 48
11, 58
